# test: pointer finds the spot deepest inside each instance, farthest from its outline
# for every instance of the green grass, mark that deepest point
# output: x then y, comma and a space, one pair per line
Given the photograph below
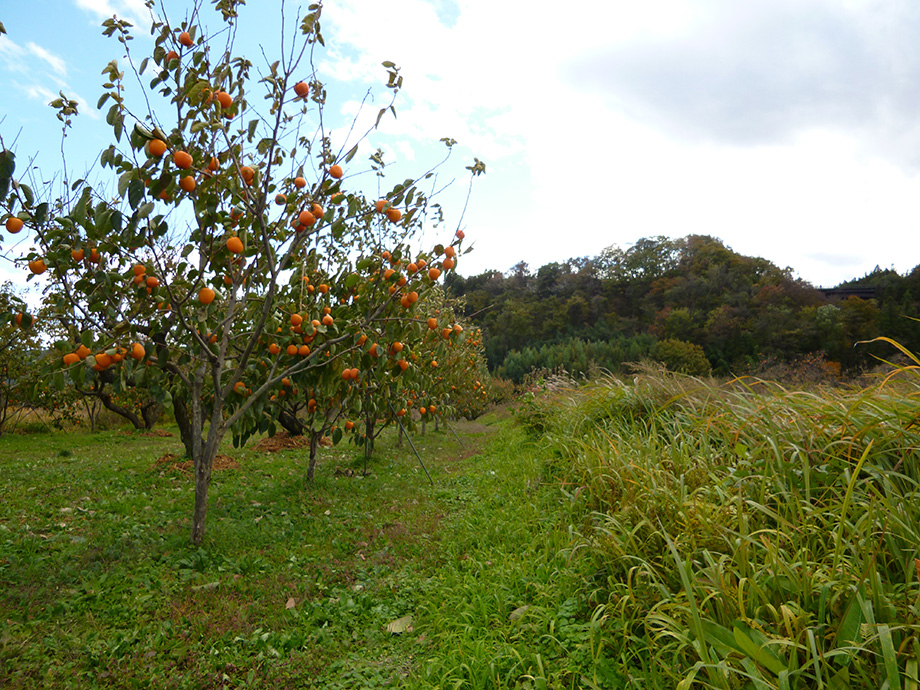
99, 587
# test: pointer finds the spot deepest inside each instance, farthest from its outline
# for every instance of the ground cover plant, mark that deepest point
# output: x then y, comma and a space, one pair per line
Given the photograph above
295, 588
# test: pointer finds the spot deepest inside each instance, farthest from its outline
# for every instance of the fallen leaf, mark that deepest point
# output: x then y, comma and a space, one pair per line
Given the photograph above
290, 603
518, 613
400, 625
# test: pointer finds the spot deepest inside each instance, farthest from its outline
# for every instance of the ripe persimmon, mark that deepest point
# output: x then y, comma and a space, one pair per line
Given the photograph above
434, 273
336, 172
77, 254
185, 39
300, 182
225, 99
301, 88
138, 269
170, 56
206, 295
152, 282
448, 264
327, 320
188, 183
71, 358
274, 348
432, 323
37, 267
280, 199
183, 160
317, 211
394, 214
291, 350
13, 225
306, 219
247, 174
235, 245
303, 350
156, 147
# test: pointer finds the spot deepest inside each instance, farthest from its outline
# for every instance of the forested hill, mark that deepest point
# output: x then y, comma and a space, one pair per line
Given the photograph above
690, 302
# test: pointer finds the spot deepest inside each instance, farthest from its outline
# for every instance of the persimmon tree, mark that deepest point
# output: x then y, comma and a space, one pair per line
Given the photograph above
228, 213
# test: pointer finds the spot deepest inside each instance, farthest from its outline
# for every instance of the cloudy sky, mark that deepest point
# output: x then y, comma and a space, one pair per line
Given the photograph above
789, 129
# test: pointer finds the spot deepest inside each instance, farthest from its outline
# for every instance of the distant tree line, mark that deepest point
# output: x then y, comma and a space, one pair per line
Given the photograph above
690, 302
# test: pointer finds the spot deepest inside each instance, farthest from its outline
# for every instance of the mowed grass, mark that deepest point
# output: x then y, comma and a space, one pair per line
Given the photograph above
294, 587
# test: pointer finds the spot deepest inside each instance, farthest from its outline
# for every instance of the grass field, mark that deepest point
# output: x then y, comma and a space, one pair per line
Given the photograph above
652, 533
297, 583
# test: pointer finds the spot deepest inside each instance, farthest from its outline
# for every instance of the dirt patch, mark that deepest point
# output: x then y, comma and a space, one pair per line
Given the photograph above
159, 433
285, 441
175, 463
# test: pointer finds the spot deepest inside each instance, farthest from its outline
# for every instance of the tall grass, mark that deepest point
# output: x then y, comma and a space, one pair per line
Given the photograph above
746, 535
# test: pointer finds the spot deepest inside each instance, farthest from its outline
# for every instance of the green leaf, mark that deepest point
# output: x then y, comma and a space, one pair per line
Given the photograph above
720, 637
7, 164
850, 631
40, 215
145, 210
135, 193
123, 182
351, 153
27, 193
759, 652
891, 660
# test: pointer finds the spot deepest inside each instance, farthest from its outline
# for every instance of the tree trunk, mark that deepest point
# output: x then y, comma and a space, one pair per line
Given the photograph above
291, 424
370, 421
314, 444
203, 465
151, 413
184, 422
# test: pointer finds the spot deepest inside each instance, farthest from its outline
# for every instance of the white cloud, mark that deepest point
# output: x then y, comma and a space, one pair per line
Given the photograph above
56, 63
134, 11
784, 127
